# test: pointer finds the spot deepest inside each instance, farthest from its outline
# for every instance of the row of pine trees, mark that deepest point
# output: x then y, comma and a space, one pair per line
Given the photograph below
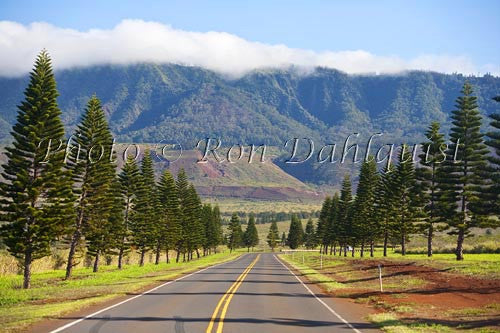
55, 192
452, 187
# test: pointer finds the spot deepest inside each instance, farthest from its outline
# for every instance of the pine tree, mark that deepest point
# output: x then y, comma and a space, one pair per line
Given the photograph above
235, 233
404, 194
218, 228
310, 235
344, 221
130, 179
208, 221
182, 185
295, 233
194, 228
363, 216
461, 180
322, 232
273, 236
332, 228
427, 175
93, 172
169, 201
145, 222
36, 200
489, 203
104, 219
251, 236
116, 219
384, 207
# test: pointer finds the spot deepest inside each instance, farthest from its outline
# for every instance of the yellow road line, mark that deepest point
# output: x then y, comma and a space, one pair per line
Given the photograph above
223, 298
227, 299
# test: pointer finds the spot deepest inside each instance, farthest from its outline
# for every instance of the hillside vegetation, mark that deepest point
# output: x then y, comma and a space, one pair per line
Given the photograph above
150, 103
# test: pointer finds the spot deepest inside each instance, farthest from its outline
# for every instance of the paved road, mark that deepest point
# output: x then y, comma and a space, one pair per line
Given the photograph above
255, 293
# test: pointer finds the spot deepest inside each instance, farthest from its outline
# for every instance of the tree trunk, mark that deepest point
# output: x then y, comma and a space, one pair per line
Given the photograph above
429, 240
158, 254
72, 250
371, 248
120, 258
334, 249
352, 251
403, 243
178, 256
460, 243
345, 250
386, 238
27, 270
166, 255
96, 263
362, 252
143, 254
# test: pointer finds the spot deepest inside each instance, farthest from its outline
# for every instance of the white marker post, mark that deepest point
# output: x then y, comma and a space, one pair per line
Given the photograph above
380, 277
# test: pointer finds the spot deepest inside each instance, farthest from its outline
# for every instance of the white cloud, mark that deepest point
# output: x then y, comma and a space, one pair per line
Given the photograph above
133, 41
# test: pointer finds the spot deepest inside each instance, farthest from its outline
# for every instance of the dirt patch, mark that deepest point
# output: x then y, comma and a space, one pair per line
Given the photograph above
420, 293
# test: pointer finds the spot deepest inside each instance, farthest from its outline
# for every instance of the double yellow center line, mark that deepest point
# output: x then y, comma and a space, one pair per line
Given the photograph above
226, 299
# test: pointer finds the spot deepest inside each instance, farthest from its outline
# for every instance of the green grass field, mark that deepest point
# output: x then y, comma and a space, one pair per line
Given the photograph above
51, 296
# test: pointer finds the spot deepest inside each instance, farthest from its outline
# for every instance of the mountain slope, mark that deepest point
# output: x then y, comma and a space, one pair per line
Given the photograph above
150, 103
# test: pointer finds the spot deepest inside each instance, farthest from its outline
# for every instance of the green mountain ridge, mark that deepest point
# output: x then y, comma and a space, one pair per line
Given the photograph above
151, 103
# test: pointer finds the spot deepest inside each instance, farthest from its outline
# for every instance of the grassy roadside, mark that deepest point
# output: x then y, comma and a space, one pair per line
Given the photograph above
51, 296
420, 294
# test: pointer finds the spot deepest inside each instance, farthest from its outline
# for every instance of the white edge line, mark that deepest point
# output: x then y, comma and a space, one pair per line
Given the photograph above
134, 297
319, 299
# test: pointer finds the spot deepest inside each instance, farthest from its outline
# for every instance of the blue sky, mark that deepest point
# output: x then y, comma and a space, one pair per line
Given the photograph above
405, 29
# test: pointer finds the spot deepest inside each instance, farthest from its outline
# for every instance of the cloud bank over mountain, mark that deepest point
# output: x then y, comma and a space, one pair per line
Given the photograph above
136, 41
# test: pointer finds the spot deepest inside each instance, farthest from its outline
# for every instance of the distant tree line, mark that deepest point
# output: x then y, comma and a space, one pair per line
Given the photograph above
53, 193
267, 217
454, 187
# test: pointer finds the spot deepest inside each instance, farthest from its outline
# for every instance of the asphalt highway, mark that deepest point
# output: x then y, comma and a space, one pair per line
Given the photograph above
254, 293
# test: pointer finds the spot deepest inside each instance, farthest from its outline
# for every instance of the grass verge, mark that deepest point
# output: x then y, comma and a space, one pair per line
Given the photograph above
51, 296
420, 294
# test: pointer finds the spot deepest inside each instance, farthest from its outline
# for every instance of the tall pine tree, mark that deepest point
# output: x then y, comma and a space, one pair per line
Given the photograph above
130, 179
333, 226
295, 233
273, 237
310, 235
384, 207
322, 228
169, 200
344, 220
427, 174
251, 236
404, 194
89, 158
363, 216
235, 233
195, 228
146, 223
461, 181
182, 185
489, 204
36, 200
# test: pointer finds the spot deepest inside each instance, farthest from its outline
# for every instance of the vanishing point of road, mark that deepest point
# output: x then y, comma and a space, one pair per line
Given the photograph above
254, 293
